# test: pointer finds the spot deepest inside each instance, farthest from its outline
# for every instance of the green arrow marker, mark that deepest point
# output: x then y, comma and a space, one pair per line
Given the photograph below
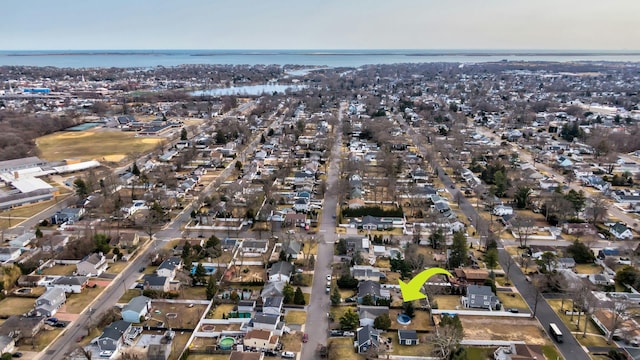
411, 290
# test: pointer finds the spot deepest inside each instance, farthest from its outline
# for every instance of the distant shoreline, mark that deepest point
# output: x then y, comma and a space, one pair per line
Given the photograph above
320, 53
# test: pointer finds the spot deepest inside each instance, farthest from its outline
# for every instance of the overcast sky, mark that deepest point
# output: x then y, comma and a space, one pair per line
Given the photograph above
320, 24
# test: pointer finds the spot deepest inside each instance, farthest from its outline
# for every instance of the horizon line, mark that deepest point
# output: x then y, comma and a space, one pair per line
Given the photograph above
344, 49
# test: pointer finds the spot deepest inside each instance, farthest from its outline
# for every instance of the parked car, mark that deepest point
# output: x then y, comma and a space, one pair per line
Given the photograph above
16, 354
336, 332
348, 333
514, 310
305, 337
328, 277
106, 353
288, 355
60, 324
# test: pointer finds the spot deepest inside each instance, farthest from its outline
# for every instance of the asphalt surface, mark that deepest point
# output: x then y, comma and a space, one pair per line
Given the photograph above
570, 348
317, 325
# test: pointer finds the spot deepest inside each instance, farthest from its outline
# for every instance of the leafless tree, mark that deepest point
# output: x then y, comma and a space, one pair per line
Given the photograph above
597, 209
523, 228
618, 307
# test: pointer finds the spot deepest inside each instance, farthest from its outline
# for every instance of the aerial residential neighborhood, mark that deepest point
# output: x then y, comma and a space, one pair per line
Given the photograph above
154, 220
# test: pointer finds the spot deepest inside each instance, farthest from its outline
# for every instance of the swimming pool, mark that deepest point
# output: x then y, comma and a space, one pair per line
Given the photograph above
226, 343
404, 319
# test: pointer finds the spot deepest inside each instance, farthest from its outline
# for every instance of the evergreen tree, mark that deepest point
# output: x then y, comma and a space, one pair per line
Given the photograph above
298, 297
382, 322
350, 320
458, 256
199, 275
212, 288
183, 134
288, 293
335, 296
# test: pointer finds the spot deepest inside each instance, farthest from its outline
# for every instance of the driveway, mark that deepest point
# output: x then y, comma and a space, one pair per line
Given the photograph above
317, 325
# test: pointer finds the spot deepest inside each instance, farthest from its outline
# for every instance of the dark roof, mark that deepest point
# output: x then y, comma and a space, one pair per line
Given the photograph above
137, 304
71, 280
368, 287
273, 301
115, 330
367, 333
266, 318
282, 268
170, 263
154, 280
407, 335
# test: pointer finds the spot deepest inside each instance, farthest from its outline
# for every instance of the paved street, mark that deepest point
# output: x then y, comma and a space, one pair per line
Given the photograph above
317, 325
570, 348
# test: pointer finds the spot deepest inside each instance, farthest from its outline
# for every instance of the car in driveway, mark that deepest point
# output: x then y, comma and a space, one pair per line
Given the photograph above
288, 355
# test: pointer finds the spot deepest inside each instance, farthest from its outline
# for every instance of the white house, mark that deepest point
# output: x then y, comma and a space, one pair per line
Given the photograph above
49, 302
137, 307
9, 253
70, 284
280, 271
168, 267
501, 210
92, 265
621, 231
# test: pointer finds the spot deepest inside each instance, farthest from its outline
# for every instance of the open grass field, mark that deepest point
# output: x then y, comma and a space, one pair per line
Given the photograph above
421, 321
508, 329
178, 344
208, 357
15, 216
219, 310
82, 145
117, 267
44, 338
128, 295
292, 341
512, 300
447, 302
187, 317
588, 269
15, 306
480, 353
77, 302
340, 349
61, 270
424, 348
295, 317
193, 293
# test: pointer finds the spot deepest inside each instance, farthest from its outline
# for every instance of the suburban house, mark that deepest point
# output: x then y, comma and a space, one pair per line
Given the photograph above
366, 337
620, 231
49, 302
169, 267
52, 242
126, 240
579, 229
480, 297
604, 319
156, 283
246, 306
67, 215
366, 272
18, 327
471, 276
301, 205
501, 210
293, 248
265, 321
373, 289
368, 314
408, 337
378, 223
92, 265
261, 339
565, 263
280, 271
9, 253
295, 219
7, 344
136, 308
272, 305
254, 246
272, 288
113, 336
22, 240
70, 284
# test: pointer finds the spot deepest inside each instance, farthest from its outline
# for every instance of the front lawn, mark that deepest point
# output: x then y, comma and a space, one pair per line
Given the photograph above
588, 269
16, 306
295, 317
76, 303
342, 349
512, 300
292, 341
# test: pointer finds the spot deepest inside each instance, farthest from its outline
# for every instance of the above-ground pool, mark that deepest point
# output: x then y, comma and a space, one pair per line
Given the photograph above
404, 319
226, 343
393, 253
